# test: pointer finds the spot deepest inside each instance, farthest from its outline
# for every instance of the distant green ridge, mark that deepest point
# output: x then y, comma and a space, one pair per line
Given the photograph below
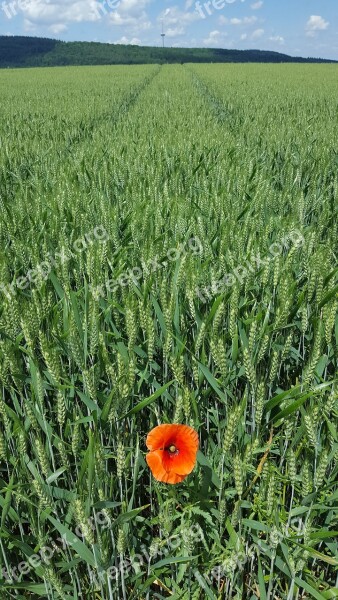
21, 51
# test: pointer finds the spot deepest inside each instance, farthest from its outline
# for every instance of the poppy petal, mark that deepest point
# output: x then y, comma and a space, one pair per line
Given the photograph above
186, 441
173, 478
160, 436
172, 467
181, 464
155, 463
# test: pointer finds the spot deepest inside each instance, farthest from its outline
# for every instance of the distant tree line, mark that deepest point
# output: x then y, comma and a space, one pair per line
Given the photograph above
21, 51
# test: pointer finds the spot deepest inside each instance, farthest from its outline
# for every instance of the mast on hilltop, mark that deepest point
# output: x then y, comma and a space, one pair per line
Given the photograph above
162, 35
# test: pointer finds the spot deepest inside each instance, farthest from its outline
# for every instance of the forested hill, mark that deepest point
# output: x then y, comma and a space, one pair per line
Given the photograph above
20, 51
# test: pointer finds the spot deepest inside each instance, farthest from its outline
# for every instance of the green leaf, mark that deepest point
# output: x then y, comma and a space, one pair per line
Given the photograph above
214, 308
328, 559
8, 510
290, 409
201, 580
323, 534
7, 503
311, 590
208, 375
38, 588
280, 397
331, 593
106, 407
234, 539
295, 405
174, 560
79, 547
328, 297
204, 462
93, 407
128, 516
56, 475
261, 582
106, 504
147, 401
256, 525
57, 286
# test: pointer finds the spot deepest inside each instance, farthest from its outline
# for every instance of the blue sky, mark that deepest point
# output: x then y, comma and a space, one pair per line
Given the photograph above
296, 27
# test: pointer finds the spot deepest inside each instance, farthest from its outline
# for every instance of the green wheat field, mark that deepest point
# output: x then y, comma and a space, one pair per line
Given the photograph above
168, 254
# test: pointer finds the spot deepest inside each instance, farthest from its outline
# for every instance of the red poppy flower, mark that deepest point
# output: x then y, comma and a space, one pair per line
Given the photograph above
173, 450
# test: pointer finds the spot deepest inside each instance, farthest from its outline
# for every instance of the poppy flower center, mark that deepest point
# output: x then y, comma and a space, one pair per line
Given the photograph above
172, 449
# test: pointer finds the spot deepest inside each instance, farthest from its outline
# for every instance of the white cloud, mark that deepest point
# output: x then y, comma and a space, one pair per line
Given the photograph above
125, 41
237, 22
257, 5
245, 21
314, 24
57, 15
257, 34
215, 38
131, 6
136, 22
131, 13
277, 38
175, 20
244, 36
55, 12
58, 28
175, 16
174, 31
213, 35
